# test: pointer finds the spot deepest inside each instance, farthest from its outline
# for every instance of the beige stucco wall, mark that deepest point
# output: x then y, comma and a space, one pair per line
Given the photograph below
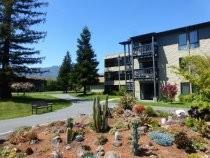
169, 55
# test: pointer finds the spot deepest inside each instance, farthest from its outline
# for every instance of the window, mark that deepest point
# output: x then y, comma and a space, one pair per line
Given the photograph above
182, 41
185, 88
194, 43
193, 40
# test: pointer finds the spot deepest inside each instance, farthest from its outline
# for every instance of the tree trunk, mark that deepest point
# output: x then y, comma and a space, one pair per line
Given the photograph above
85, 90
5, 91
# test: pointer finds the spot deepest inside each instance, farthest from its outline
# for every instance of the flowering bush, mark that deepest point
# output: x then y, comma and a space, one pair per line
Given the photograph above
137, 109
168, 92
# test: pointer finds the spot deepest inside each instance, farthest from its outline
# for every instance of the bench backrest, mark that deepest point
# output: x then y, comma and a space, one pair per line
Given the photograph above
39, 103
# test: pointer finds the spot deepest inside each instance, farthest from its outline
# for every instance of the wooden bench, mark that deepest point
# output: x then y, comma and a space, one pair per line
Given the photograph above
40, 105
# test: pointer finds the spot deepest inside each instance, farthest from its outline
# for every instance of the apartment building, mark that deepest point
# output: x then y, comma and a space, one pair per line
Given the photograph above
146, 61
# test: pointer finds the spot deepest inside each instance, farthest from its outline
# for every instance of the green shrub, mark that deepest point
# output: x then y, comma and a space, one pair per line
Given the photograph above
198, 145
127, 101
161, 113
7, 152
183, 142
144, 119
155, 124
193, 156
187, 98
190, 122
102, 140
121, 90
150, 111
201, 126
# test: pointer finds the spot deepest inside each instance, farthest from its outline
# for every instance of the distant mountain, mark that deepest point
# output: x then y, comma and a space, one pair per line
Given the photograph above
52, 73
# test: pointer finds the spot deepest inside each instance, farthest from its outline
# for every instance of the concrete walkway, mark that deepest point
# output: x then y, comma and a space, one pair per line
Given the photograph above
78, 107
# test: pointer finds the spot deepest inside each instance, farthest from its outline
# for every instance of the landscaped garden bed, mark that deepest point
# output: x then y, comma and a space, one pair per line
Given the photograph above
121, 132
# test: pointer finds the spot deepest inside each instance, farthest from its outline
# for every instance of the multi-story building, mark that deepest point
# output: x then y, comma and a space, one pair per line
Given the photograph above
147, 59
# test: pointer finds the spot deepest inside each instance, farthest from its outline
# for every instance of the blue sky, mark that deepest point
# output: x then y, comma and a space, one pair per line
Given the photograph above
110, 22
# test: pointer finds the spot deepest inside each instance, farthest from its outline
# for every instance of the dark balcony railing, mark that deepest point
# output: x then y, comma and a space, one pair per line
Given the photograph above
146, 73
128, 67
129, 86
144, 51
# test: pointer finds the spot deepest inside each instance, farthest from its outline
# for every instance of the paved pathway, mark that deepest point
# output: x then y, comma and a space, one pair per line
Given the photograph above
78, 107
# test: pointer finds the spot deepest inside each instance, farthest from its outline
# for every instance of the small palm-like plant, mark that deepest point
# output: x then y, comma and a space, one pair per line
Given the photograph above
127, 101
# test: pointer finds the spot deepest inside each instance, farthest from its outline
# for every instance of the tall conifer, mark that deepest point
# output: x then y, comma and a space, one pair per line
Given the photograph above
86, 66
64, 73
16, 35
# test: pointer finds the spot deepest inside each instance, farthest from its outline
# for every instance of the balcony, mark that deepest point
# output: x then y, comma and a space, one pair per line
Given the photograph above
145, 74
129, 86
128, 67
144, 51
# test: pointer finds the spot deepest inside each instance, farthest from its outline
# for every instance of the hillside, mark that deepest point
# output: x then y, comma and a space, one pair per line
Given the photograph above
52, 72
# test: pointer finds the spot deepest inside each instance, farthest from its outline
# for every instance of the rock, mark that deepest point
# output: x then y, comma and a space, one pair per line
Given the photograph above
112, 154
100, 148
29, 151
33, 141
128, 113
101, 153
142, 129
57, 154
180, 113
68, 147
117, 143
117, 136
56, 140
80, 153
150, 144
79, 138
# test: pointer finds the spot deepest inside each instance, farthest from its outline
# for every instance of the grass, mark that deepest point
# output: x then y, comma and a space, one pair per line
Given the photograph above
91, 96
20, 106
163, 104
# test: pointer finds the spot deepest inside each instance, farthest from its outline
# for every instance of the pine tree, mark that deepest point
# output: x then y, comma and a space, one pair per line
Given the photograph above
86, 66
16, 35
64, 73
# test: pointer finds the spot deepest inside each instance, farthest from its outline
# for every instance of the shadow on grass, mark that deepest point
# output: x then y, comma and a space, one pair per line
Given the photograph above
30, 99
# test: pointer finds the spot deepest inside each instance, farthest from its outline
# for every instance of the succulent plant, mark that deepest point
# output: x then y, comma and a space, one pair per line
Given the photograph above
161, 138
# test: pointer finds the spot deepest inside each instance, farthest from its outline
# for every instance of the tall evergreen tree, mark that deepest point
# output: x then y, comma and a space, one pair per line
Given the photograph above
64, 73
16, 35
86, 66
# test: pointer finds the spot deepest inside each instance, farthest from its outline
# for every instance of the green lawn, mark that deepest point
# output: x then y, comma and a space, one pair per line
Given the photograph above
91, 96
20, 106
163, 104
173, 104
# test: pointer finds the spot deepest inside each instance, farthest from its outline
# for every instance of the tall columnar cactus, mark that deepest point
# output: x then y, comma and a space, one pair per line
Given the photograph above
69, 135
100, 117
105, 114
69, 131
70, 122
135, 137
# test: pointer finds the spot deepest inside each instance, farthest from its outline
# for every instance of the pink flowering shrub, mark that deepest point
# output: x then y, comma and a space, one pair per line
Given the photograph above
168, 92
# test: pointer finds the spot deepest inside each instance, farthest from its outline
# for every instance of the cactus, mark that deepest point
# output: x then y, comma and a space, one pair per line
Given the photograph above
69, 135
105, 114
69, 131
135, 137
100, 119
70, 122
